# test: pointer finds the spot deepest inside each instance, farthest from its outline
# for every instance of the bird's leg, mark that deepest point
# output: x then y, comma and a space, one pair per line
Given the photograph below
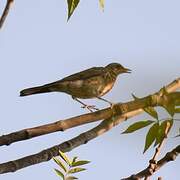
89, 107
105, 100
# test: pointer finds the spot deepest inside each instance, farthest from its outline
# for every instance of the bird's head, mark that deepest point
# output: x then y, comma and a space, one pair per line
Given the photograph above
117, 68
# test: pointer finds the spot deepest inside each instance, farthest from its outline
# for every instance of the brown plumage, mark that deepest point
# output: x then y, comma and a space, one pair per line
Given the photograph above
91, 83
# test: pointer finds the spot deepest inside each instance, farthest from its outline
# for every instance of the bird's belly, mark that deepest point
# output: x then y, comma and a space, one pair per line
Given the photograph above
89, 88
93, 91
105, 89
82, 93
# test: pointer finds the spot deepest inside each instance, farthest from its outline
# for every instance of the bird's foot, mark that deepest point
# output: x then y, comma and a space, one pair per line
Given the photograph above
90, 107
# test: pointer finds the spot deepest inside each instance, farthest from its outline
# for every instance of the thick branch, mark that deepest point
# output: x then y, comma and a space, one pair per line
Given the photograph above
170, 156
5, 12
60, 125
83, 138
119, 109
119, 114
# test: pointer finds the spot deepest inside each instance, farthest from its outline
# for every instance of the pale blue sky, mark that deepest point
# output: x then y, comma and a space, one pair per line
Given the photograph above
38, 46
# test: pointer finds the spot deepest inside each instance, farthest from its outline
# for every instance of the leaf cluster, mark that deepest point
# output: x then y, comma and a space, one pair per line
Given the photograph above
155, 134
157, 130
68, 166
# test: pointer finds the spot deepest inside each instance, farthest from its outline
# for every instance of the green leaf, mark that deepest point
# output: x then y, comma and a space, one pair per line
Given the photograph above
72, 4
170, 109
71, 178
177, 110
60, 164
101, 3
138, 125
161, 131
80, 163
151, 136
59, 173
76, 170
159, 135
74, 159
151, 111
65, 158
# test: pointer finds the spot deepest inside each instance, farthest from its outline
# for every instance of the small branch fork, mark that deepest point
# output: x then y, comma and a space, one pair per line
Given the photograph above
153, 165
170, 156
5, 12
111, 117
153, 161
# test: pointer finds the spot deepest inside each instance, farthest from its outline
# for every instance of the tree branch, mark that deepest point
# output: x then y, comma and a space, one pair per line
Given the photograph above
119, 109
170, 156
69, 145
153, 162
118, 114
5, 12
60, 125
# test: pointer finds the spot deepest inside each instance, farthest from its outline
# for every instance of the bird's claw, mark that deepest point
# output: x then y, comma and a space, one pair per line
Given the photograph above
90, 107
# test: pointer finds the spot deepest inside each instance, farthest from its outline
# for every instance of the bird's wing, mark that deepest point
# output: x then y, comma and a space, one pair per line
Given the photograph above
94, 71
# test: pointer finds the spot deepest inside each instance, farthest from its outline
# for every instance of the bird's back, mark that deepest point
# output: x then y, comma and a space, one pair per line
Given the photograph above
83, 75
86, 74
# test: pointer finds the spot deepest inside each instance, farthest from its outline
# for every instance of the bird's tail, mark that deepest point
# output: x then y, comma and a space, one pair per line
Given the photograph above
34, 90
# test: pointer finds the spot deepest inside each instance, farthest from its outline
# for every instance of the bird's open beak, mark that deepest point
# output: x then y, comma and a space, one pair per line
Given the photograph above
127, 70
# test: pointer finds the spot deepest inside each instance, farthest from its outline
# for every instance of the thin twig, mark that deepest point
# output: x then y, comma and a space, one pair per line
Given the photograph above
5, 12
153, 161
170, 156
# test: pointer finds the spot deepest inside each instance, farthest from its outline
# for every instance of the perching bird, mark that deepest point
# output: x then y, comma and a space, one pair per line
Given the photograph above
91, 83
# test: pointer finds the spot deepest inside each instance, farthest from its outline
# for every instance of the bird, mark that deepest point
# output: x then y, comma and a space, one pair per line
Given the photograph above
90, 83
